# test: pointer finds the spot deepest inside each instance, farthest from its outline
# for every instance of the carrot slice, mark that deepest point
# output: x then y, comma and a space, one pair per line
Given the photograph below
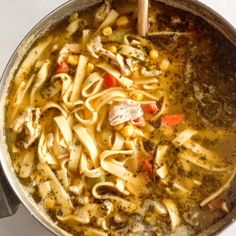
172, 120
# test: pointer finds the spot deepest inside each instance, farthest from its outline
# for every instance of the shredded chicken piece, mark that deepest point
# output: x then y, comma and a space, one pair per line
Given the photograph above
117, 60
120, 62
28, 125
150, 73
125, 111
95, 48
102, 13
131, 63
108, 207
66, 50
108, 54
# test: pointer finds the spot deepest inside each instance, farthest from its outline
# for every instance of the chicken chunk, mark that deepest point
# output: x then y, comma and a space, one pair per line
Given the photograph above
125, 111
28, 126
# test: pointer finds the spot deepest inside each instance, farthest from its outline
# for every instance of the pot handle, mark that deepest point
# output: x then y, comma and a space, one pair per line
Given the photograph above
8, 200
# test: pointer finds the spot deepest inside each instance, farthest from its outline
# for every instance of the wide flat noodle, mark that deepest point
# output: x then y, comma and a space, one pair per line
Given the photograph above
31, 58
109, 20
44, 189
101, 118
91, 173
198, 160
160, 155
116, 170
79, 77
200, 150
40, 79
62, 176
50, 105
61, 195
94, 103
173, 212
59, 150
151, 87
185, 185
118, 142
27, 164
43, 154
82, 217
224, 187
75, 153
109, 164
66, 89
146, 81
152, 98
92, 85
65, 129
72, 27
132, 161
183, 137
19, 96
86, 34
129, 206
88, 143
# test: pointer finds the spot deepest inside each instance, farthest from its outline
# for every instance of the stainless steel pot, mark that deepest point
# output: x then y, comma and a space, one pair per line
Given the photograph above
11, 191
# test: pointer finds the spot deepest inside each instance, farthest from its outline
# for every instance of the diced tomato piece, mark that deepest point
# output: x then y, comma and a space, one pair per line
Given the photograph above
109, 81
139, 122
172, 120
63, 67
218, 204
146, 165
151, 108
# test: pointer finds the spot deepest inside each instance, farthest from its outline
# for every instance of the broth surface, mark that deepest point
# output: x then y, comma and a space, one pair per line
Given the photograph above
114, 134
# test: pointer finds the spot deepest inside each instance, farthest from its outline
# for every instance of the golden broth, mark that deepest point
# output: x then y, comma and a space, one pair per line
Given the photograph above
171, 172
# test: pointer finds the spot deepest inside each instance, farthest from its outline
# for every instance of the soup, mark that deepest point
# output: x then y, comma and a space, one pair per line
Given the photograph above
115, 134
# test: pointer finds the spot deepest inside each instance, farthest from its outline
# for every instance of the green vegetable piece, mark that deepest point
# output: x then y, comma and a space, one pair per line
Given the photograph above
93, 181
116, 36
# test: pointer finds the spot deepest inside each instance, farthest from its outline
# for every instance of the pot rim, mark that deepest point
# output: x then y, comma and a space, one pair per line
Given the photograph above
224, 27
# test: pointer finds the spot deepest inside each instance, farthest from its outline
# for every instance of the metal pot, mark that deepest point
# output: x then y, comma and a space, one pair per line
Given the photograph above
12, 192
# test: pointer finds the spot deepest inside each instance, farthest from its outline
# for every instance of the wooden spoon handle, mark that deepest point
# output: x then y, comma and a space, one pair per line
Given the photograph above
142, 17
